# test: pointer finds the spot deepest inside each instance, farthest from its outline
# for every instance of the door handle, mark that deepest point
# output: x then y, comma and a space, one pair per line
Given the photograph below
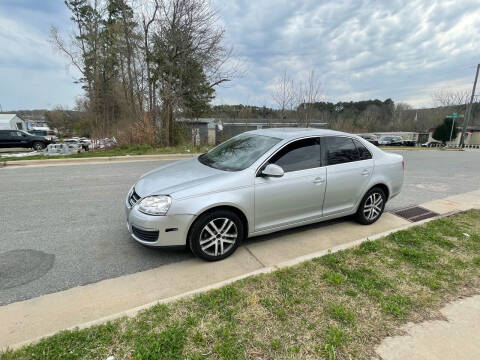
318, 180
365, 172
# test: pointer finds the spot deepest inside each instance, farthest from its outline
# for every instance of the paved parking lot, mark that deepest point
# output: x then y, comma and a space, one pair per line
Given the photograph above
64, 226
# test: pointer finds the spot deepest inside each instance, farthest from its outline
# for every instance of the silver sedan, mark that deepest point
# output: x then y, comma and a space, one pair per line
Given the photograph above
259, 182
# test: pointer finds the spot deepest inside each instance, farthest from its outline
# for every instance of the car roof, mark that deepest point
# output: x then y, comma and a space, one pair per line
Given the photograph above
293, 133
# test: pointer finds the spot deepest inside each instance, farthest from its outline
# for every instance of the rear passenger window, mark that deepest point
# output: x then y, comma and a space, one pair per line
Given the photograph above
363, 152
341, 150
299, 155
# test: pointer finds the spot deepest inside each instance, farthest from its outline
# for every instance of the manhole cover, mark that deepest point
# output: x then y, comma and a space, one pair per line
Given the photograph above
415, 213
19, 267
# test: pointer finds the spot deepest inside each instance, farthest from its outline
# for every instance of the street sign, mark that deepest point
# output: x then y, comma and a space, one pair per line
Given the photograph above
455, 116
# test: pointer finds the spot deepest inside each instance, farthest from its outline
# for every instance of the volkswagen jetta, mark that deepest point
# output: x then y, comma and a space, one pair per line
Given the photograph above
259, 182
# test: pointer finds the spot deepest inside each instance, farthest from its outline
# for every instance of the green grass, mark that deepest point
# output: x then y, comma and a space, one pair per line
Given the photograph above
119, 151
335, 307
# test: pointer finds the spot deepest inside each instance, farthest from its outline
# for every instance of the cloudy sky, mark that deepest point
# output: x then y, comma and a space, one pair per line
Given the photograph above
359, 49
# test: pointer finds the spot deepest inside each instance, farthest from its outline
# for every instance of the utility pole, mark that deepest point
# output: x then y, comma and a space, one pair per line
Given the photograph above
451, 130
469, 109
453, 117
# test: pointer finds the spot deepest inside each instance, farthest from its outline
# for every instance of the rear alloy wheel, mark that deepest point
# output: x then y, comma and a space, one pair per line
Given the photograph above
37, 146
371, 207
216, 235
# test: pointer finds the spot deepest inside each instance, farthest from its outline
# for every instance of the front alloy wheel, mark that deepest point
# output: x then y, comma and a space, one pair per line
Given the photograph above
216, 235
371, 207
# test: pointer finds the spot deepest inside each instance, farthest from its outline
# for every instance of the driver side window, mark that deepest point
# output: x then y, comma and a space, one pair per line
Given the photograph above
299, 155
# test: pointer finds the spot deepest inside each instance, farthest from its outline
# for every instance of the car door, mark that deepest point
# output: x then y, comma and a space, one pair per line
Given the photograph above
298, 194
4, 138
18, 139
349, 169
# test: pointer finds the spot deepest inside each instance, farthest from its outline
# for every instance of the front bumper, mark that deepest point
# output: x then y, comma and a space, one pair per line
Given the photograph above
172, 229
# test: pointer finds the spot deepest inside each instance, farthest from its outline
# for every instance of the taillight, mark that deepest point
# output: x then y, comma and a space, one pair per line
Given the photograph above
403, 165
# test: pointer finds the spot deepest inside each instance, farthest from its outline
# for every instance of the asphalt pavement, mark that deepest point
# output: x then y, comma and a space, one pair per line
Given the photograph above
64, 226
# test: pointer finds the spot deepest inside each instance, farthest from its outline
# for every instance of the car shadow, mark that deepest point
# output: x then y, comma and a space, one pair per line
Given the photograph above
296, 230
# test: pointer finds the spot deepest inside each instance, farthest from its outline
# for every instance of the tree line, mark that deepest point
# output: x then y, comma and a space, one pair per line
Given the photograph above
357, 117
142, 62
353, 116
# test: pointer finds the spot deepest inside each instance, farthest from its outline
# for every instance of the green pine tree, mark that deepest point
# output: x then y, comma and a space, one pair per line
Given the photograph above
442, 132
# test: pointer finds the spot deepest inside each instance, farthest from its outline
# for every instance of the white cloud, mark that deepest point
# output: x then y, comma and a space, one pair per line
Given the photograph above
361, 49
32, 74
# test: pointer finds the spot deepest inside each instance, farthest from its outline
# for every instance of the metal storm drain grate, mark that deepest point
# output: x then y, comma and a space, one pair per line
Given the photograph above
415, 213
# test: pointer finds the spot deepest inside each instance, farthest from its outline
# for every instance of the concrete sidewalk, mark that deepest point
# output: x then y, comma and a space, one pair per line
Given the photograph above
456, 337
82, 306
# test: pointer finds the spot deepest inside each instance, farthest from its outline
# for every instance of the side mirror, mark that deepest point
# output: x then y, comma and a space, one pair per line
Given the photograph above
273, 170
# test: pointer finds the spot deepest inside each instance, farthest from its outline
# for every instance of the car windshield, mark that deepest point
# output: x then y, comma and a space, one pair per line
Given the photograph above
239, 152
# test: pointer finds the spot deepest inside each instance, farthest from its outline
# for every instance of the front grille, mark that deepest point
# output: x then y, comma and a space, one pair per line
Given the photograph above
134, 197
145, 235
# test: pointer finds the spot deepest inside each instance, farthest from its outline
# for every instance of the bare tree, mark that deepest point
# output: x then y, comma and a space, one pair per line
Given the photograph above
283, 93
148, 16
162, 57
307, 93
449, 98
67, 49
399, 116
446, 102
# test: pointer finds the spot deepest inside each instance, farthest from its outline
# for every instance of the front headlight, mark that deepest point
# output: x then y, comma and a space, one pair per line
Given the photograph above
155, 205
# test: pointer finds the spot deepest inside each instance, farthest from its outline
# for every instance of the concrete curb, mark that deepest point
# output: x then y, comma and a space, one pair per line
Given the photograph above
100, 159
264, 270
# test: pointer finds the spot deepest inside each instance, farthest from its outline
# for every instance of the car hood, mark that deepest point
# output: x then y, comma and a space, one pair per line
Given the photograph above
177, 176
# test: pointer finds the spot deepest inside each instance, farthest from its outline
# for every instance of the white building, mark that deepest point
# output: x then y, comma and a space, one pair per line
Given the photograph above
11, 122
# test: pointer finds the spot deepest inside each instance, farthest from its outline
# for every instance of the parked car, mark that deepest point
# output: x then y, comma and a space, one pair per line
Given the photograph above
47, 134
83, 144
432, 144
86, 143
22, 139
390, 141
259, 182
409, 143
372, 139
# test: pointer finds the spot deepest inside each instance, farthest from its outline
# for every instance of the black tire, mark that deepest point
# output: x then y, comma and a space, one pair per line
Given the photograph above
38, 145
367, 214
213, 240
